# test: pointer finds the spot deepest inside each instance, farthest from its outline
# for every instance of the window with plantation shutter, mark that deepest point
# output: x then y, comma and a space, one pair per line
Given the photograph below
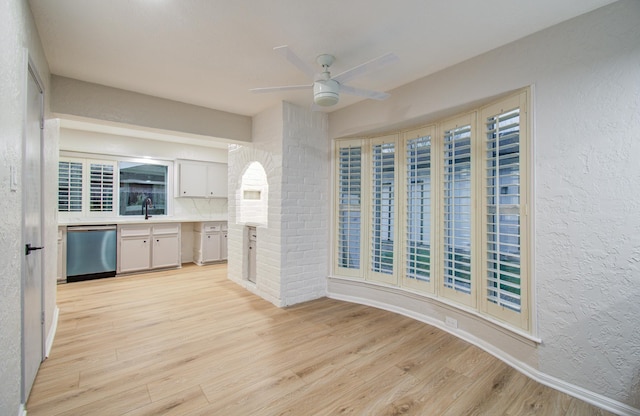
503, 198
101, 187
455, 195
383, 188
418, 194
457, 206
86, 187
349, 206
69, 186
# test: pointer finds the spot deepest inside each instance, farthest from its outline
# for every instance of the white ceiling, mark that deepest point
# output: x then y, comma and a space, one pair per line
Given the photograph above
211, 52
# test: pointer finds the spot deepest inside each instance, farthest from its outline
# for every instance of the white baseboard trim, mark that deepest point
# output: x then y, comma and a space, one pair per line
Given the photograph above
52, 333
22, 411
578, 392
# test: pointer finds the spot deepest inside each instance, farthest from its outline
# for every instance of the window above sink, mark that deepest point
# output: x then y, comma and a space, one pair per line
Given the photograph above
89, 187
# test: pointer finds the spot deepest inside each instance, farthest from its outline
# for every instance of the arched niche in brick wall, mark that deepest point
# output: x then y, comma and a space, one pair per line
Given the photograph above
253, 196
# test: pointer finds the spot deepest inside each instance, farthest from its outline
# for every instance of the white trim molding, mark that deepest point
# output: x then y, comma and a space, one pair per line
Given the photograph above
52, 332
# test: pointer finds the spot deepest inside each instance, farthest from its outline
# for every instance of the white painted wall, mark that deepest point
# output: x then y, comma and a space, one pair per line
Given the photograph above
292, 145
17, 35
586, 78
84, 99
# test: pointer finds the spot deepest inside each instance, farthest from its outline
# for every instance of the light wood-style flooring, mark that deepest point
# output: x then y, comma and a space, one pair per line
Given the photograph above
190, 342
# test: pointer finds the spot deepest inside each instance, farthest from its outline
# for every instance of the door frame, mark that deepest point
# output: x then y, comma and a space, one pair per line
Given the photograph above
32, 71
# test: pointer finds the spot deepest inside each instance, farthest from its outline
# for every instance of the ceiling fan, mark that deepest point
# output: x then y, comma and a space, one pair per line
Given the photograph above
327, 89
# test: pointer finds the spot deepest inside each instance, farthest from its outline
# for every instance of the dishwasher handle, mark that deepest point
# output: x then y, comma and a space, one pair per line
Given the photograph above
91, 228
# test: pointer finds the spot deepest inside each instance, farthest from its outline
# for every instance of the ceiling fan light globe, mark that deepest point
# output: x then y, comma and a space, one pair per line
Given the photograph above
325, 93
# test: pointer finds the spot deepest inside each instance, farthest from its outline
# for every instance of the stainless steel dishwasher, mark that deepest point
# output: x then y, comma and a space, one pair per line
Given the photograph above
91, 252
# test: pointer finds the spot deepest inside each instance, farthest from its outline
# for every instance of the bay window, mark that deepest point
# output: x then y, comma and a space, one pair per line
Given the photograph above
442, 210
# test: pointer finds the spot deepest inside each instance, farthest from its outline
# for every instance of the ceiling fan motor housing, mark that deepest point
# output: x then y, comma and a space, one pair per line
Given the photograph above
325, 92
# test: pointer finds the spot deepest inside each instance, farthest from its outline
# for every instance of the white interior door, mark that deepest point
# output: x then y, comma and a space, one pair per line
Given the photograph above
32, 309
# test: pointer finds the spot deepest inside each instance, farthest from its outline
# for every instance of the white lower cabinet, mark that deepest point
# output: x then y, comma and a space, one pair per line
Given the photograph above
210, 242
148, 246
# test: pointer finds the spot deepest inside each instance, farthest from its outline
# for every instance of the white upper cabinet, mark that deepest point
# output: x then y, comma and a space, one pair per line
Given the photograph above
202, 179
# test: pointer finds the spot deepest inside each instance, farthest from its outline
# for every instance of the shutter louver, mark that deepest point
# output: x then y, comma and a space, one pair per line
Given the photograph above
418, 209
101, 187
69, 186
382, 204
349, 211
457, 209
503, 209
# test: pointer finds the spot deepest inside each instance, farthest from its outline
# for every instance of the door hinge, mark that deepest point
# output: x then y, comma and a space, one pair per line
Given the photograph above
42, 318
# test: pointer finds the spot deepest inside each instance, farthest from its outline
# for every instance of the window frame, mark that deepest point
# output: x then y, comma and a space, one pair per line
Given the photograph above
344, 271
469, 299
85, 191
377, 276
408, 282
521, 320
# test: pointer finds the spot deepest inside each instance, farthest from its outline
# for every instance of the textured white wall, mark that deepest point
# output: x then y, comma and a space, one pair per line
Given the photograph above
586, 78
17, 35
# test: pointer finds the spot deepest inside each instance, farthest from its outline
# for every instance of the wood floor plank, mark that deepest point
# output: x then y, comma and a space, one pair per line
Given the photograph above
191, 342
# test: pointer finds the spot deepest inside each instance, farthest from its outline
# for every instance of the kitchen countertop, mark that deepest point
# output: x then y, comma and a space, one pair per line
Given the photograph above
134, 220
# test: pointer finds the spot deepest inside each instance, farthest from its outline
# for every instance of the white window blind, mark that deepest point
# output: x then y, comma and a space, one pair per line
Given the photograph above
457, 209
382, 207
418, 209
349, 206
69, 186
458, 203
101, 187
502, 148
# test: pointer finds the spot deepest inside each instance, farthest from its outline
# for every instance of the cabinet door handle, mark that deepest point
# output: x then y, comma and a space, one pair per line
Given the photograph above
28, 248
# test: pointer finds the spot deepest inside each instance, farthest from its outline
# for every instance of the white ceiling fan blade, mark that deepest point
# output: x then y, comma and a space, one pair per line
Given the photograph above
284, 88
374, 95
295, 60
372, 65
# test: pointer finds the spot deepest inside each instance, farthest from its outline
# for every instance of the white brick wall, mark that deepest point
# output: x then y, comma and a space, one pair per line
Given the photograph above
292, 145
265, 149
305, 209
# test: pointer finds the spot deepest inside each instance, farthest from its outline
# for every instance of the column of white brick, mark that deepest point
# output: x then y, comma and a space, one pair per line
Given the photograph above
305, 205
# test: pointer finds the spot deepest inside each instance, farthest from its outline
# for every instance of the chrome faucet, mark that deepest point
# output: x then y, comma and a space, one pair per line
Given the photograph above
147, 204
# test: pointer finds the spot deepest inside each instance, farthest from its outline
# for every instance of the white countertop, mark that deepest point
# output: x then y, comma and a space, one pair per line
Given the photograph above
135, 219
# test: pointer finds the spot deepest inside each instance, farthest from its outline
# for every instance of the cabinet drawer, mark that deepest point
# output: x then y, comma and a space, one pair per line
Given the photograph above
162, 229
135, 230
211, 227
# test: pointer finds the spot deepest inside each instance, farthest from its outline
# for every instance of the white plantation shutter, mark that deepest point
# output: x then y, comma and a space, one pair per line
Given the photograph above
503, 199
383, 189
457, 244
418, 199
69, 186
101, 187
86, 186
442, 210
349, 213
